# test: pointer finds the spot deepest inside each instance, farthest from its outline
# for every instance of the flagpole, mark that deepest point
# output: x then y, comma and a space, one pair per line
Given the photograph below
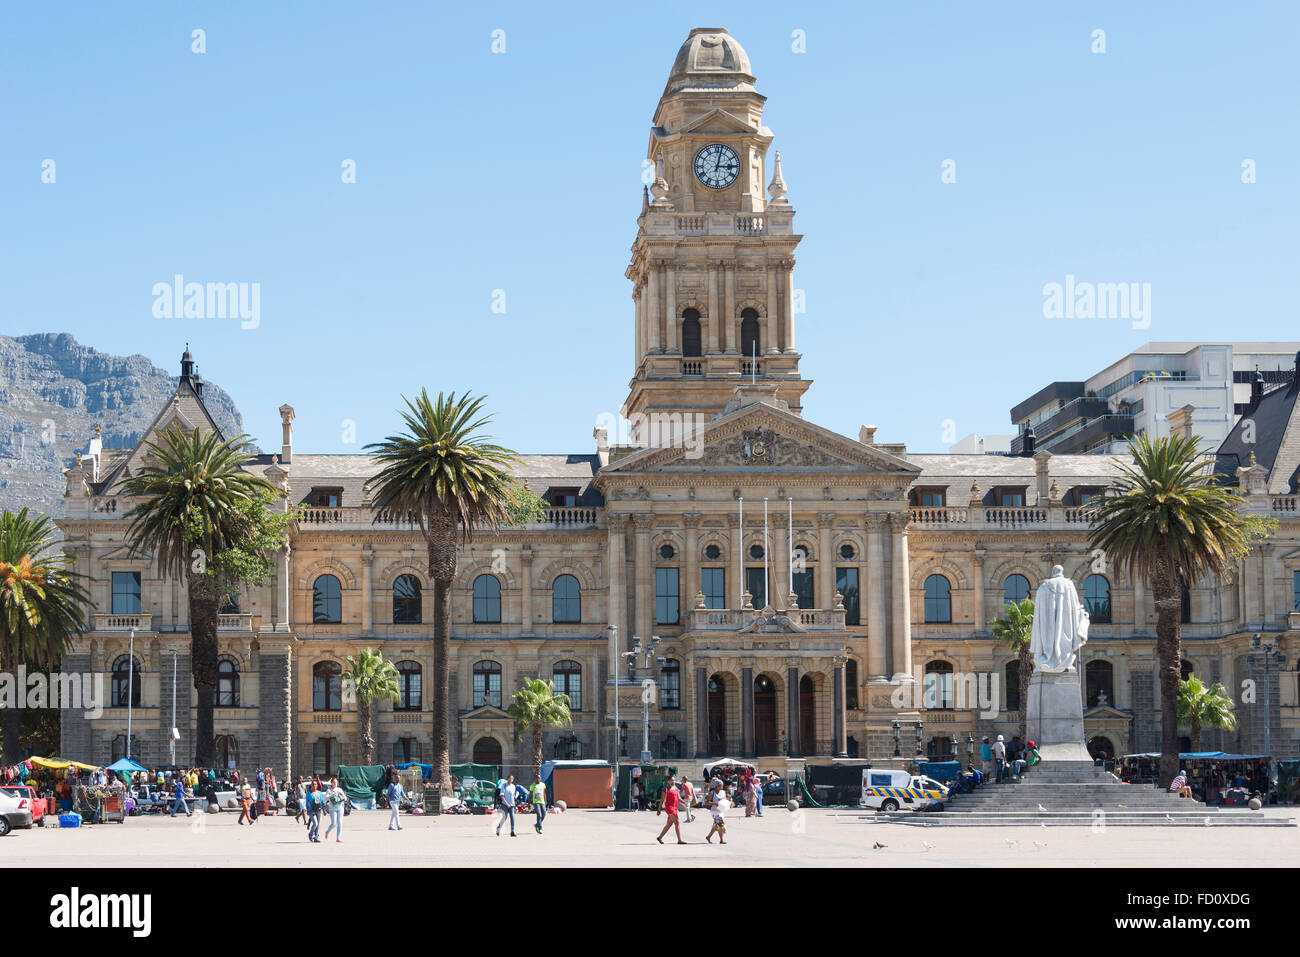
790, 541
767, 581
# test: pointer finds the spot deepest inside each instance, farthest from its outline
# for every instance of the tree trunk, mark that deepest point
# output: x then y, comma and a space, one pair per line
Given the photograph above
366, 724
1026, 672
11, 717
1169, 604
1196, 732
537, 752
442, 571
205, 602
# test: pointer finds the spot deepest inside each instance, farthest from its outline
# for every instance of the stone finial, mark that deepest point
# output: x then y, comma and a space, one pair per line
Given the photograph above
839, 601
645, 200
777, 188
867, 435
660, 187
699, 600
747, 600
975, 497
1054, 493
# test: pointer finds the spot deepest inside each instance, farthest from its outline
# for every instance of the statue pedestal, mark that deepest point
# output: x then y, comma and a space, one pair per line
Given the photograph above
1054, 717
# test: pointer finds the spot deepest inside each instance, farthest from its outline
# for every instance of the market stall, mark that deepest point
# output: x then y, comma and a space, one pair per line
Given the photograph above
1216, 777
587, 783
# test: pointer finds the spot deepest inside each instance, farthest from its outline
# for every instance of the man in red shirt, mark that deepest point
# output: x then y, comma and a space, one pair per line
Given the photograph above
668, 806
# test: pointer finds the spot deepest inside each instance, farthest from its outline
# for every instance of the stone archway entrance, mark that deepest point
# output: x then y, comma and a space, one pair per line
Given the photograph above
808, 715
717, 694
766, 740
487, 751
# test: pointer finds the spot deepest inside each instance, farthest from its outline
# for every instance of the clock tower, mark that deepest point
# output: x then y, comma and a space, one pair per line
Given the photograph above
712, 264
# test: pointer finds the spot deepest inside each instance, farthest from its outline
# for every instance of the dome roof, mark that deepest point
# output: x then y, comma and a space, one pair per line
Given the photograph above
710, 59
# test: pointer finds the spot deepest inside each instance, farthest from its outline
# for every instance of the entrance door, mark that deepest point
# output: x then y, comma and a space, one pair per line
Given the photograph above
765, 737
487, 751
717, 717
807, 715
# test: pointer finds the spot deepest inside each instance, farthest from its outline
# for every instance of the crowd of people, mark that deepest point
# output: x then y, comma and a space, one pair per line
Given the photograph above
1000, 760
675, 799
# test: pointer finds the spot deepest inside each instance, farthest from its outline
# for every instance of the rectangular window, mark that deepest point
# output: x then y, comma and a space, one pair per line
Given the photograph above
1012, 499
671, 696
846, 583
713, 582
563, 497
667, 596
1295, 588
803, 587
126, 593
931, 497
326, 497
756, 585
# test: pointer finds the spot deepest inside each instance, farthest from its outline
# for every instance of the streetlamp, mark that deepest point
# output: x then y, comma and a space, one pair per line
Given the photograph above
919, 726
1267, 654
970, 749
646, 654
955, 744
897, 729
130, 689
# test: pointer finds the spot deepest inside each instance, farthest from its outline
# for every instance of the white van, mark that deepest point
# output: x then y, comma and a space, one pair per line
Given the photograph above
887, 790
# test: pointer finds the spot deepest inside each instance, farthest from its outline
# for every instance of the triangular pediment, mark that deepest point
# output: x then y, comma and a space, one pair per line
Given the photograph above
762, 439
486, 712
718, 121
126, 553
184, 410
1106, 711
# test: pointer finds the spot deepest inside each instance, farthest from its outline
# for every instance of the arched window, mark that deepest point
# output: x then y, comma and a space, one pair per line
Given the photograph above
1015, 588
406, 751
939, 691
1186, 618
1012, 674
1186, 668
487, 684
1099, 679
691, 338
750, 345
409, 674
119, 747
487, 751
566, 600
126, 682
327, 601
227, 683
1096, 598
327, 686
487, 600
670, 697
227, 751
568, 680
938, 599
406, 601
851, 684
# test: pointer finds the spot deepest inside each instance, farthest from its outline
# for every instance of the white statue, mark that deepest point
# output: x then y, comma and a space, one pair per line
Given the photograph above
1060, 624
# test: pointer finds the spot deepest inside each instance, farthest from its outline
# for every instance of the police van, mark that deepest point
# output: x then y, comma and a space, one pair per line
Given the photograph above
886, 790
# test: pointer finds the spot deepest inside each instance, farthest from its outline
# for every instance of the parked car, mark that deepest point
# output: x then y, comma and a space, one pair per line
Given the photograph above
888, 790
29, 792
14, 812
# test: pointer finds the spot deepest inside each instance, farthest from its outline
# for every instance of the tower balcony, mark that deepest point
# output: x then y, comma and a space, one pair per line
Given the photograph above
672, 223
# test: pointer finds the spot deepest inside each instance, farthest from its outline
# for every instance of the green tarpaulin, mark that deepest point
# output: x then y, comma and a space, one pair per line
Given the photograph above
362, 782
477, 782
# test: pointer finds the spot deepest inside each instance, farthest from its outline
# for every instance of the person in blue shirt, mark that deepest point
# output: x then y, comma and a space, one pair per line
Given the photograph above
395, 794
179, 801
508, 797
315, 806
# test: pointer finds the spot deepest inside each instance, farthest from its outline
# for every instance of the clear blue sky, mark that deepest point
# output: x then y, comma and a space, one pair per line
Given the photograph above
521, 172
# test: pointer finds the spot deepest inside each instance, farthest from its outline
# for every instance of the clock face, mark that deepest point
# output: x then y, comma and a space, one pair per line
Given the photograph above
717, 166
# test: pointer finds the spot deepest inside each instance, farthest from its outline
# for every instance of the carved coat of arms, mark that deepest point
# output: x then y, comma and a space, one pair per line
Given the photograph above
758, 446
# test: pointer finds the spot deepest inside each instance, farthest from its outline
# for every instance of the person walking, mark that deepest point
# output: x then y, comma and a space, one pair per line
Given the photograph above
1000, 758
759, 780
751, 802
669, 805
986, 758
179, 801
718, 805
300, 791
395, 794
688, 797
315, 805
537, 794
245, 804
507, 797
334, 802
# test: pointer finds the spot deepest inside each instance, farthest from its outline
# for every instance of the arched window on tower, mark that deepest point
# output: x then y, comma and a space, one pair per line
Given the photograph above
749, 341
692, 340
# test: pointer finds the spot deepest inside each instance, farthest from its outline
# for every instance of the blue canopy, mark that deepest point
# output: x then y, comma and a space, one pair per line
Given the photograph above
126, 766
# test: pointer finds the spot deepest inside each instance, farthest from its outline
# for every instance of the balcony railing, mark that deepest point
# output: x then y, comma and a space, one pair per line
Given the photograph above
984, 516
696, 224
104, 621
731, 619
358, 516
235, 622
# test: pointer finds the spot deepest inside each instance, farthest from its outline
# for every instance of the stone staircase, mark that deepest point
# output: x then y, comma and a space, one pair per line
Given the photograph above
1079, 794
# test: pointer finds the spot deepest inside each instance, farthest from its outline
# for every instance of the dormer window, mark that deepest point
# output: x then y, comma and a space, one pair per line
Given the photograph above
325, 497
1009, 496
562, 497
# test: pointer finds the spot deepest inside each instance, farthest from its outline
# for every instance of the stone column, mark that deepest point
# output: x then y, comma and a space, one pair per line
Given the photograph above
526, 616
902, 644
701, 712
787, 305
617, 588
792, 712
643, 577
839, 733
711, 283
748, 743
732, 568
367, 597
727, 319
770, 325
981, 626
874, 599
1266, 585
1139, 601
275, 705
779, 560
825, 597
286, 590
654, 309
691, 587
639, 341
671, 319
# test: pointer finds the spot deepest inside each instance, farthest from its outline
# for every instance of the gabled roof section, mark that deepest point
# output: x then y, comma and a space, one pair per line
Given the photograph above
1271, 431
718, 121
185, 409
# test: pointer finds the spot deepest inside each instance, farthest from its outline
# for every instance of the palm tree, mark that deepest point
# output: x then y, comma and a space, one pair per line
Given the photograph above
1014, 629
369, 677
1167, 520
1201, 707
536, 707
192, 505
451, 480
41, 608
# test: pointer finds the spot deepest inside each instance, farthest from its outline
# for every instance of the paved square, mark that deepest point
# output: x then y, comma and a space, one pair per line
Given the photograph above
818, 838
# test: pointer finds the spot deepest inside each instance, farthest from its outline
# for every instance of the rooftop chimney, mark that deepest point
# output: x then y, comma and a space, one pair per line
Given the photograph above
286, 428
602, 445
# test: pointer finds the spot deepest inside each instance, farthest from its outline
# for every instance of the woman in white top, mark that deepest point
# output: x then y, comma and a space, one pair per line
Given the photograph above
335, 799
718, 805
